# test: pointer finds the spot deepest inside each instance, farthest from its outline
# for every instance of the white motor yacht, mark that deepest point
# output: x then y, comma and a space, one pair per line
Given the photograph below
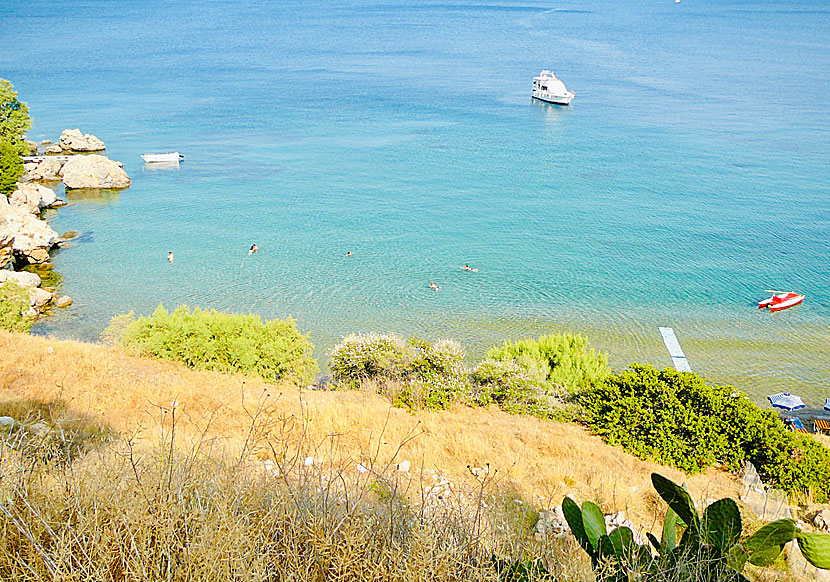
546, 87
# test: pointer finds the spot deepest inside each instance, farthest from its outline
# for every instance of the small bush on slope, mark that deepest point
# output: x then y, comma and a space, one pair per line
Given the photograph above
564, 361
14, 305
415, 373
676, 419
224, 342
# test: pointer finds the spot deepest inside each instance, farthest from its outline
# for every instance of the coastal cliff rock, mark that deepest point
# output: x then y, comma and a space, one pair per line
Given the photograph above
74, 141
94, 171
52, 149
33, 197
22, 278
6, 247
31, 237
48, 170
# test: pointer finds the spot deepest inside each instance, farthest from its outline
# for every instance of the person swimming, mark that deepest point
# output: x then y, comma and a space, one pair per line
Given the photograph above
254, 249
349, 254
433, 286
170, 257
469, 268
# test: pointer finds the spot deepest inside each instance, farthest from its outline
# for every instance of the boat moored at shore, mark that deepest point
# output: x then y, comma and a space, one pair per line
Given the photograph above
547, 88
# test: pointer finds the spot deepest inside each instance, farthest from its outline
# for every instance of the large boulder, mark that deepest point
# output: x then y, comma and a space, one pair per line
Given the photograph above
39, 299
33, 197
22, 278
31, 237
74, 141
94, 171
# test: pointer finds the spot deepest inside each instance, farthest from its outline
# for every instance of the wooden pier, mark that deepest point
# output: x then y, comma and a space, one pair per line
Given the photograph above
38, 159
678, 358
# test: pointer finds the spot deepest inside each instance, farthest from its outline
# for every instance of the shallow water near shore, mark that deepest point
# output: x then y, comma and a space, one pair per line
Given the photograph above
689, 174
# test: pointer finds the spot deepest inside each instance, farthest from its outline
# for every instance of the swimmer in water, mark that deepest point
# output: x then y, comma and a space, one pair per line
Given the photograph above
254, 249
170, 257
433, 286
469, 268
349, 254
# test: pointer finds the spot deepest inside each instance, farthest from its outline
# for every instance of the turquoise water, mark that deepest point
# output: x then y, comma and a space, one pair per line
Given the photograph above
689, 174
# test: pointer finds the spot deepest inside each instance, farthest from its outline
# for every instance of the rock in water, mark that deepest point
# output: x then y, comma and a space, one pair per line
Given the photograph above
73, 140
64, 301
94, 171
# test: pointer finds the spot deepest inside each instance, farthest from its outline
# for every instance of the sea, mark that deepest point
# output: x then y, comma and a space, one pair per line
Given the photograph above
689, 175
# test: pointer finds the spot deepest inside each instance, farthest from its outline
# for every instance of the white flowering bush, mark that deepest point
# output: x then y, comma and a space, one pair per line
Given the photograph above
367, 357
414, 373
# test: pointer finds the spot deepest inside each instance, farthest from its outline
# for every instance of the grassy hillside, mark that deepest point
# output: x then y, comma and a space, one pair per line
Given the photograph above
539, 461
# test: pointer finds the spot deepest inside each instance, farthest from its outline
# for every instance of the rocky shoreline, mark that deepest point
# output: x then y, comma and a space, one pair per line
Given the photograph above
26, 239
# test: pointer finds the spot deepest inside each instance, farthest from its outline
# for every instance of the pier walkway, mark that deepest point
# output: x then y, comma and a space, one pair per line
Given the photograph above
678, 358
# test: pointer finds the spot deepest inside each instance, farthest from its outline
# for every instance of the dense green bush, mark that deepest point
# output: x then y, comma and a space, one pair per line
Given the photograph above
221, 341
512, 387
14, 118
11, 168
677, 419
564, 361
414, 373
14, 308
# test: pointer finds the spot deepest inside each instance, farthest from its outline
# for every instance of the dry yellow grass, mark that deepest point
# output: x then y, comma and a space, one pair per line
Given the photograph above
540, 460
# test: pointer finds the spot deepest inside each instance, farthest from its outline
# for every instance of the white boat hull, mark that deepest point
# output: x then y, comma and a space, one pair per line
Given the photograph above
553, 98
156, 158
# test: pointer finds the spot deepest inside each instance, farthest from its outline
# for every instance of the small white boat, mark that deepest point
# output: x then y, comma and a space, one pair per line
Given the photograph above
168, 157
546, 87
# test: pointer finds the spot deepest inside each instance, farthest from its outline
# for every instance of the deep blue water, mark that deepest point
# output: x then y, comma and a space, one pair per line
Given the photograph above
689, 174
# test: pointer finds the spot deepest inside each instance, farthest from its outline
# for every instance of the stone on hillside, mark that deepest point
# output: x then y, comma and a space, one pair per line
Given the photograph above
52, 149
64, 301
94, 171
6, 421
551, 523
822, 520
22, 278
73, 140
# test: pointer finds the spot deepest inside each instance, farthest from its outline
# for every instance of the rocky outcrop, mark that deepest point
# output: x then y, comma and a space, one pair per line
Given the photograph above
94, 171
64, 301
72, 140
34, 197
52, 149
6, 246
48, 170
22, 278
32, 238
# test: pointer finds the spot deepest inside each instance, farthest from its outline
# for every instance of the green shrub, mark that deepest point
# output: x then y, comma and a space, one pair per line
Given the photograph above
509, 385
415, 373
677, 419
14, 118
367, 357
221, 341
14, 308
564, 361
11, 168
